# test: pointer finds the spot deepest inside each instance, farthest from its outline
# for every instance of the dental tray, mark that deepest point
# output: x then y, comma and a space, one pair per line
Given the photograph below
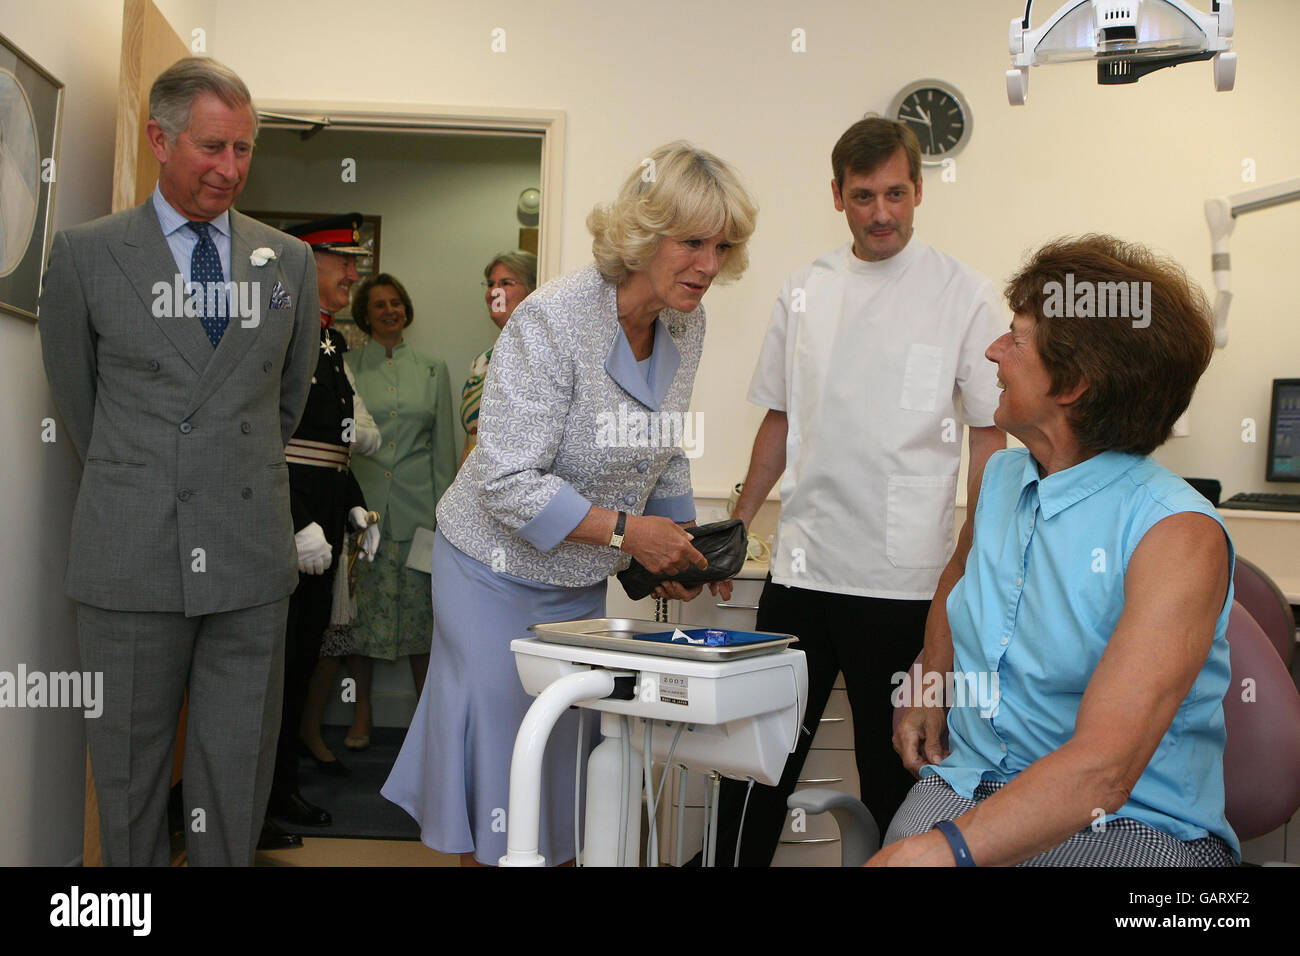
650, 637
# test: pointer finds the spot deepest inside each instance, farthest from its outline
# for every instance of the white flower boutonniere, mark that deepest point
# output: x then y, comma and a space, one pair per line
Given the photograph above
262, 256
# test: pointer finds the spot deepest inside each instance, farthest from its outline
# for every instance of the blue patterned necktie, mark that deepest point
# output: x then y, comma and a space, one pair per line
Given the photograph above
205, 269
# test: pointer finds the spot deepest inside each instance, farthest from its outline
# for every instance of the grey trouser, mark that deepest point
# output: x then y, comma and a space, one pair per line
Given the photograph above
233, 666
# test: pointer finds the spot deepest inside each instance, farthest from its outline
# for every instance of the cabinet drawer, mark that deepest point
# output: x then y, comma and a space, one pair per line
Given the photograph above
835, 732
739, 613
819, 846
835, 769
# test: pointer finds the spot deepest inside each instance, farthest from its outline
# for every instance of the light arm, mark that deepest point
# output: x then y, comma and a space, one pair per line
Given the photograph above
1221, 216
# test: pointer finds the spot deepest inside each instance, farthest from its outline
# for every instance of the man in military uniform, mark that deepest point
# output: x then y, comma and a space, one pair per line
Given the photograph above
326, 502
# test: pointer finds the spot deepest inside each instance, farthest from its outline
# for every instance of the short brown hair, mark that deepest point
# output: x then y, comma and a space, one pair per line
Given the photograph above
361, 299
869, 143
1140, 374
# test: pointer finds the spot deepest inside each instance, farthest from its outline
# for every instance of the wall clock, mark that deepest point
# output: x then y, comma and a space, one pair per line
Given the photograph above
939, 116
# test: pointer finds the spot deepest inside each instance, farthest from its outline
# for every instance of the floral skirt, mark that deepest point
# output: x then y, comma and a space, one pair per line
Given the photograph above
394, 608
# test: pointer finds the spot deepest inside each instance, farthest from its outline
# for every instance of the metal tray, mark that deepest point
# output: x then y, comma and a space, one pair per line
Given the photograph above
618, 634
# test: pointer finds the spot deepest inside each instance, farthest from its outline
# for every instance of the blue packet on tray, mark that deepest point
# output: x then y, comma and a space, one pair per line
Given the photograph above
706, 637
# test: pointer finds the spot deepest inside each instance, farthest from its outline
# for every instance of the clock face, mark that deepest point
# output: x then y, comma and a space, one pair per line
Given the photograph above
937, 114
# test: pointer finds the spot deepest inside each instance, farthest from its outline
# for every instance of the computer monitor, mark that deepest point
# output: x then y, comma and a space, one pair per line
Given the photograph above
1284, 431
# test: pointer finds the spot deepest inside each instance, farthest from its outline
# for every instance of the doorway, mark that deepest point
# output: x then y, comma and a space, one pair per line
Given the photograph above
442, 204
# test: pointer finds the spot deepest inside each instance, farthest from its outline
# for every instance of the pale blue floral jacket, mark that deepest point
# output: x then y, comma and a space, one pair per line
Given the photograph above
569, 420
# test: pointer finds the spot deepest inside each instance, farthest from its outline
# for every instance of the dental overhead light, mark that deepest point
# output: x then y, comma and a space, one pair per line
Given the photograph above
1221, 215
1127, 38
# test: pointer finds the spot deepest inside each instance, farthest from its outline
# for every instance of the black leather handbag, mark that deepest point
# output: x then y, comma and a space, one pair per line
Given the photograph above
723, 544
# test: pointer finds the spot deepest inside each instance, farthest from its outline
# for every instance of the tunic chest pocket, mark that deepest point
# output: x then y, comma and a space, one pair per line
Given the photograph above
920, 391
918, 528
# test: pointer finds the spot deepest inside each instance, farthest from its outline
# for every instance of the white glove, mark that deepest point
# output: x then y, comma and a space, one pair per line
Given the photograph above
366, 440
360, 518
365, 433
314, 553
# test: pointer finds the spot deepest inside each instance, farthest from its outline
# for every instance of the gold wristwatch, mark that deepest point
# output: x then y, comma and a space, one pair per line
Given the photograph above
620, 526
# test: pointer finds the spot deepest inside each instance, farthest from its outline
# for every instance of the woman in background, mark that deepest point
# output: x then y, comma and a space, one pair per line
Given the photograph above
409, 396
510, 276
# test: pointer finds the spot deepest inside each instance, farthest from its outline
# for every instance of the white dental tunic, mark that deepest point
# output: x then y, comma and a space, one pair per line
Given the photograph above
877, 365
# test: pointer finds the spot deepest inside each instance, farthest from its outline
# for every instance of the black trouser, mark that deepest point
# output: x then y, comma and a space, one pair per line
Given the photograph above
309, 615
322, 494
869, 640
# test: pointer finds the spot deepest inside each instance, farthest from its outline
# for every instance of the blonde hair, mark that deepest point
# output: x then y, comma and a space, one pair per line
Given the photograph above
680, 192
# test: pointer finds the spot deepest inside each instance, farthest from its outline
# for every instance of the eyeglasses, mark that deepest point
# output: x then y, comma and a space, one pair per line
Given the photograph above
501, 283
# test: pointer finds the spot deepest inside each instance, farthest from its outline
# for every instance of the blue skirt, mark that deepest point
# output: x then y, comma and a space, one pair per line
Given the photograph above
453, 772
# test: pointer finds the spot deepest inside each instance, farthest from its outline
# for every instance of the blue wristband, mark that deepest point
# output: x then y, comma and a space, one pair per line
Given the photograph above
959, 848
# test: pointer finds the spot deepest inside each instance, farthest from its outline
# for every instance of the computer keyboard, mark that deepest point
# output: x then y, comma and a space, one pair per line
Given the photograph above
1261, 501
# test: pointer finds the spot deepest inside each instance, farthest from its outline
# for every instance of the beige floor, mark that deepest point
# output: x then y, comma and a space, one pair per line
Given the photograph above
319, 851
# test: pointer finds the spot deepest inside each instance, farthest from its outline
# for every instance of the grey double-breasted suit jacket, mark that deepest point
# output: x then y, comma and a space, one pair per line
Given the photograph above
184, 500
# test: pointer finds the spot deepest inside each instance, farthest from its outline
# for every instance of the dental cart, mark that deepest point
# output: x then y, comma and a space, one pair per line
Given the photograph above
733, 706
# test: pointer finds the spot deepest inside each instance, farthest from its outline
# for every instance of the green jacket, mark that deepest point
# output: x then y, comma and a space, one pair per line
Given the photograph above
409, 397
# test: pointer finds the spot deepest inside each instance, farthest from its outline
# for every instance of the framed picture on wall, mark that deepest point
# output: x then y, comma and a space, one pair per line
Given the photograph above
369, 239
30, 112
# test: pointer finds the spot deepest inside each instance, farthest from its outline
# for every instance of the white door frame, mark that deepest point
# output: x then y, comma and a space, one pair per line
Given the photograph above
486, 120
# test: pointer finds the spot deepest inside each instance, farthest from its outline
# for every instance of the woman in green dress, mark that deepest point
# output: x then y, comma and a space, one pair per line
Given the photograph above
509, 277
409, 396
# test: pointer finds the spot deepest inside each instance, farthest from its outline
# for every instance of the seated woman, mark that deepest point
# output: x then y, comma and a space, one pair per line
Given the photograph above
1095, 598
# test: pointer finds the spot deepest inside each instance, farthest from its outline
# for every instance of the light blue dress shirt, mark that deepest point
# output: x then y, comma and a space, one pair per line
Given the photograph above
182, 240
1041, 595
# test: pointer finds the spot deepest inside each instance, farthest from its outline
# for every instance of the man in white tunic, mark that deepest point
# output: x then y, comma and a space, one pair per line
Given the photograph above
873, 360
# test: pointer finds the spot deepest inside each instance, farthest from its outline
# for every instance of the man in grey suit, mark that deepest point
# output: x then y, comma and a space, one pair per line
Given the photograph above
179, 339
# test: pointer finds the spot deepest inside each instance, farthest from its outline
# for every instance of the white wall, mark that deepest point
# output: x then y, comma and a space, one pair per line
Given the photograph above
1137, 161
448, 206
42, 758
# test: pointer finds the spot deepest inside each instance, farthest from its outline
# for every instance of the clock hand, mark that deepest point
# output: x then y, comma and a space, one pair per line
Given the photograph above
921, 119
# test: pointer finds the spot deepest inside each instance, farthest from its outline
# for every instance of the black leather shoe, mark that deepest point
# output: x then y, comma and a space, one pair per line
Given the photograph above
297, 811
275, 837
331, 768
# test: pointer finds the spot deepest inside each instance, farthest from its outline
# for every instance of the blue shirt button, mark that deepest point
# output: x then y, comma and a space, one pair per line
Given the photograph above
186, 428
643, 466
629, 499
